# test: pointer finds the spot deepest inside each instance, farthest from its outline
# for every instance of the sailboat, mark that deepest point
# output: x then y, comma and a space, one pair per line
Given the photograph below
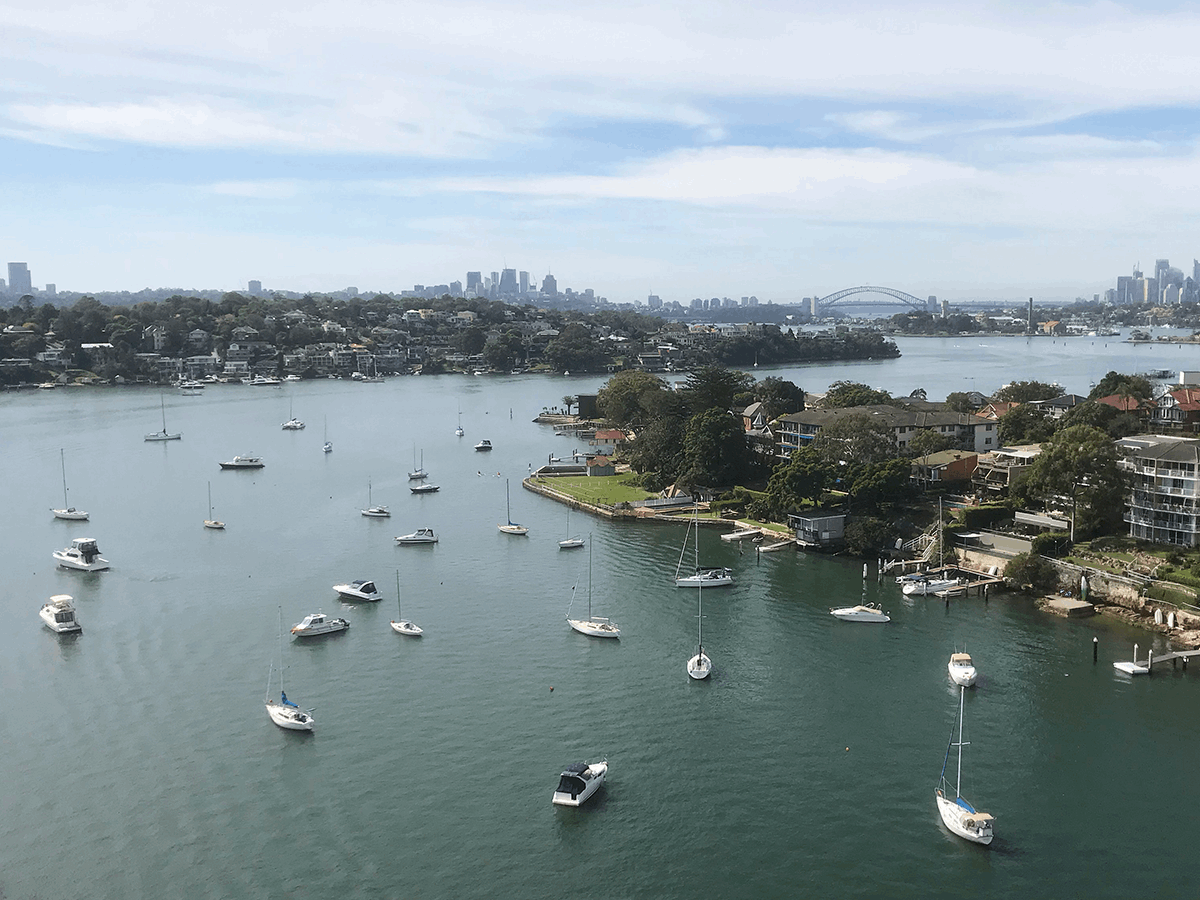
718, 576
593, 626
418, 471
67, 512
959, 815
327, 447
164, 435
571, 542
210, 522
699, 665
285, 713
374, 512
459, 430
292, 424
400, 625
512, 527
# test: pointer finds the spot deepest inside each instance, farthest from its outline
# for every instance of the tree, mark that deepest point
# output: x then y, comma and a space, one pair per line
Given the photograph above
569, 400
1078, 466
1123, 386
1114, 422
842, 394
715, 449
880, 484
868, 536
1025, 424
472, 341
960, 401
659, 448
1028, 391
714, 387
1031, 569
805, 476
854, 440
629, 398
780, 397
928, 441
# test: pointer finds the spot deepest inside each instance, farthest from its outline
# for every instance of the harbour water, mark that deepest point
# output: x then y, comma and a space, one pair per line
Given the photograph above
139, 762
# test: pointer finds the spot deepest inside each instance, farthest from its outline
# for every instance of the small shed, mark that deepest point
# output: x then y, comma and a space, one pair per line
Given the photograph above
600, 465
820, 529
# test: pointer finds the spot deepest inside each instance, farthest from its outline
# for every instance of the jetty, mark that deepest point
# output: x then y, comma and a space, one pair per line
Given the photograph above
1145, 666
742, 534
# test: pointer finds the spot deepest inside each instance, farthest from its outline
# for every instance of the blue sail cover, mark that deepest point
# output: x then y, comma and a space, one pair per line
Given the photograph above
286, 701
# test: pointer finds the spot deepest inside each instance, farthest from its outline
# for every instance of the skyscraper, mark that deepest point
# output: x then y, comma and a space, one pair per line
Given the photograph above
474, 281
255, 288
20, 280
549, 286
524, 279
508, 281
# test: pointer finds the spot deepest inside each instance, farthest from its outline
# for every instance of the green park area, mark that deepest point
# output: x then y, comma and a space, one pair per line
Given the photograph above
600, 490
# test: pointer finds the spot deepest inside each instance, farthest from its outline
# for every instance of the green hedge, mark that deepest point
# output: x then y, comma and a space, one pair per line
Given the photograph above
972, 517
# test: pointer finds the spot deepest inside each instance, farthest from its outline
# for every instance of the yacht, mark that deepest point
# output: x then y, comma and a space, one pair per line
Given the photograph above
592, 626
418, 471
372, 511
864, 612
292, 424
424, 488
512, 527
924, 586
318, 623
59, 614
578, 782
83, 554
715, 577
243, 462
401, 625
67, 511
358, 590
958, 814
484, 445
420, 536
962, 670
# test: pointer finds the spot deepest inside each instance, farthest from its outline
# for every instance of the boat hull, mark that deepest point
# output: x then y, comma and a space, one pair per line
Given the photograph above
334, 627
159, 436
70, 514
963, 822
289, 717
514, 529
570, 544
404, 627
67, 561
963, 676
699, 666
598, 772
214, 524
860, 614
377, 513
595, 627
710, 579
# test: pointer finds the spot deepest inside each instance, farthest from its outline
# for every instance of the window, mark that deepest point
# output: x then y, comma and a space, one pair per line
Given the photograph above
987, 442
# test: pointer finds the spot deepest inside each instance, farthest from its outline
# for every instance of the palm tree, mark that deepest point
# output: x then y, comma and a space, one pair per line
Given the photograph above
570, 400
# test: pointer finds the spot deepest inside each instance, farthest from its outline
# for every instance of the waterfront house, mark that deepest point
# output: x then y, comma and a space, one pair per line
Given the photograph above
600, 465
968, 431
1163, 496
995, 472
1178, 410
1142, 409
819, 529
609, 437
1058, 407
996, 409
947, 467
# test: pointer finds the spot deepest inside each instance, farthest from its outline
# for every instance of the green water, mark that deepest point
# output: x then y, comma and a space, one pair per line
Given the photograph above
139, 761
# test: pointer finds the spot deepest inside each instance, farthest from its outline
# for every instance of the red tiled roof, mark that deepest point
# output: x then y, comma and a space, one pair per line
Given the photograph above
1187, 398
611, 434
1125, 404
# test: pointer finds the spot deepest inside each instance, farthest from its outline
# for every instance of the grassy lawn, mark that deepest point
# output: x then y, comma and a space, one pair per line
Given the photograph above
600, 491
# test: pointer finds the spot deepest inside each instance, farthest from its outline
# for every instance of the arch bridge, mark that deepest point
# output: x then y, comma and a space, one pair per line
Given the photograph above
827, 302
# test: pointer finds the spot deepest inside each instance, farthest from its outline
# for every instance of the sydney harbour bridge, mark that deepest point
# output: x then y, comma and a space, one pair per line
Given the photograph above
851, 297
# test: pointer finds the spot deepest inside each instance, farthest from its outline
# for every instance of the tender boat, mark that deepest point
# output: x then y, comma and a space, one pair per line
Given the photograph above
374, 512
484, 445
864, 612
962, 670
59, 614
578, 782
512, 527
285, 713
69, 513
243, 462
924, 586
358, 590
592, 626
958, 815
83, 554
318, 624
424, 488
420, 536
401, 625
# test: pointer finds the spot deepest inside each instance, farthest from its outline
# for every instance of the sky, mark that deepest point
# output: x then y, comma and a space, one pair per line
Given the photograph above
686, 149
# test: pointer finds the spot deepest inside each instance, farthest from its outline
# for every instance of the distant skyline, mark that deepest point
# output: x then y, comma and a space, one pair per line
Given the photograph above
999, 150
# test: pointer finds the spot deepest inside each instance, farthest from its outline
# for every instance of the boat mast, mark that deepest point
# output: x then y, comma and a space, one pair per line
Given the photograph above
63, 460
589, 576
163, 404
962, 691
399, 615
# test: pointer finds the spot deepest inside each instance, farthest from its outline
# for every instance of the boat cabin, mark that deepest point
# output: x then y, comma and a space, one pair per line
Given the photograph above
86, 548
574, 780
367, 587
960, 659
64, 612
311, 620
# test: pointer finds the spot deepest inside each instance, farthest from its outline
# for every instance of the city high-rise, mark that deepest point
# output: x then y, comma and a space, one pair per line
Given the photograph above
20, 280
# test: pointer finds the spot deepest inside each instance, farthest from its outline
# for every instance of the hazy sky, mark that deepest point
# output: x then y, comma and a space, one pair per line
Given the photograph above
689, 149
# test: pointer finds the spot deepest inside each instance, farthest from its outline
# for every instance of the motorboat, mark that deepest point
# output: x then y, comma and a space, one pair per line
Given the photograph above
317, 624
358, 590
59, 614
262, 381
243, 462
420, 536
483, 445
164, 435
401, 625
372, 511
864, 612
424, 488
67, 512
924, 586
284, 712
958, 815
592, 626
83, 554
512, 527
713, 577
703, 576
578, 782
292, 377
962, 670
210, 522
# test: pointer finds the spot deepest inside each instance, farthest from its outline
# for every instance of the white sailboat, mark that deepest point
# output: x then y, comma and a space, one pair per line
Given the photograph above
327, 447
210, 522
285, 713
459, 430
512, 527
418, 470
593, 626
292, 424
372, 511
699, 665
571, 543
401, 625
68, 512
713, 576
164, 435
960, 816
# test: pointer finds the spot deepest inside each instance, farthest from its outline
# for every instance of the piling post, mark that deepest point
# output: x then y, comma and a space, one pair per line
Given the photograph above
1095, 649
1150, 663
1185, 659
